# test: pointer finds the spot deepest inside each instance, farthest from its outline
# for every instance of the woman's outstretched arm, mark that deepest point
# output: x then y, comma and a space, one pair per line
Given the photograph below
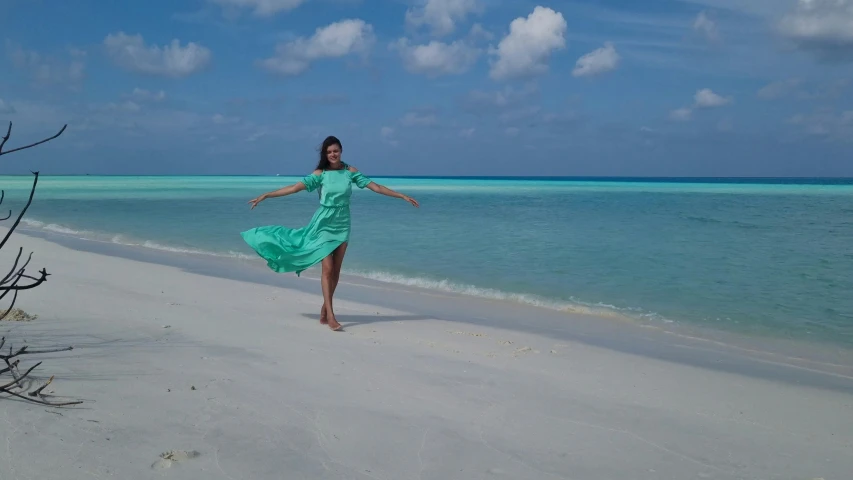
281, 192
383, 190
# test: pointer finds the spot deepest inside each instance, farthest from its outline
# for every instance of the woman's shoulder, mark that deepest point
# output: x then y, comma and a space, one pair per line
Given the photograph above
314, 177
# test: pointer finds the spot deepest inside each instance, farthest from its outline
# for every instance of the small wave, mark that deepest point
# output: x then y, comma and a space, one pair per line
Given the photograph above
32, 223
733, 223
51, 227
701, 219
187, 251
448, 286
125, 240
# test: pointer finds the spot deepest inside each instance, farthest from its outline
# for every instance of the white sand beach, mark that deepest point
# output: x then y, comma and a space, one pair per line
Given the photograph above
238, 380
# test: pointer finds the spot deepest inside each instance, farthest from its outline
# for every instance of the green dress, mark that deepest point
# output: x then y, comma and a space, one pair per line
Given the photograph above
298, 249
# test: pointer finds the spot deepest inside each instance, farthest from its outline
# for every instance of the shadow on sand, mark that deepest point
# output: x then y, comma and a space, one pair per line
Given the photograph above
355, 320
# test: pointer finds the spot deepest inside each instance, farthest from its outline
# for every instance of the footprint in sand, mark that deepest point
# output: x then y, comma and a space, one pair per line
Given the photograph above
172, 456
523, 351
473, 334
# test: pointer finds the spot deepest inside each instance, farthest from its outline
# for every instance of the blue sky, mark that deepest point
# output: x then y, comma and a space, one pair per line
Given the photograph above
437, 87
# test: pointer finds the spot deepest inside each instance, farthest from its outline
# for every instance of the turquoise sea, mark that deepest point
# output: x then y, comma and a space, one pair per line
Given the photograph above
760, 257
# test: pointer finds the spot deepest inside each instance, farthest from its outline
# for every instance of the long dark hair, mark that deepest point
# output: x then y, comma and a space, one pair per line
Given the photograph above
324, 157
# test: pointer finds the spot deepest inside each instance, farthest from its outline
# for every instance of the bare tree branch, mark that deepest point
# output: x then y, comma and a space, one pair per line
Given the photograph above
2, 196
23, 210
18, 378
15, 281
9, 133
12, 363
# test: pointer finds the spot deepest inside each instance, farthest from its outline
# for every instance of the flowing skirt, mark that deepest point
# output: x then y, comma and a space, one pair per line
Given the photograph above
298, 249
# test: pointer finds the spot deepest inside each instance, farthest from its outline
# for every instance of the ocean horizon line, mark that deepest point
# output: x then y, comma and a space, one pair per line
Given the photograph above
820, 180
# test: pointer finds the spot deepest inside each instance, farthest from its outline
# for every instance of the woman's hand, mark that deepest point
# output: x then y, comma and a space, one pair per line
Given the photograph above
256, 201
382, 190
411, 200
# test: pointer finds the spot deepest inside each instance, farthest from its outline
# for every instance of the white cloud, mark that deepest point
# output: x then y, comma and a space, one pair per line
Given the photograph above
387, 135
257, 135
142, 95
525, 51
46, 69
478, 32
111, 124
798, 89
759, 8
824, 27
6, 108
437, 58
220, 119
519, 114
122, 107
826, 123
681, 114
441, 16
706, 27
339, 39
415, 119
830, 90
172, 60
779, 89
325, 99
512, 131
261, 8
481, 101
467, 132
598, 61
706, 98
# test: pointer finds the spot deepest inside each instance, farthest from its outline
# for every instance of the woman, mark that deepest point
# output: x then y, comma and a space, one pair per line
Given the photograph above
325, 238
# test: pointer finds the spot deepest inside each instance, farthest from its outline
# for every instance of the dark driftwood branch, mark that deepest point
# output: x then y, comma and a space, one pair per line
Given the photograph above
11, 306
15, 281
36, 281
42, 402
15, 277
25, 350
17, 381
2, 196
9, 134
12, 279
23, 210
10, 367
15, 387
12, 270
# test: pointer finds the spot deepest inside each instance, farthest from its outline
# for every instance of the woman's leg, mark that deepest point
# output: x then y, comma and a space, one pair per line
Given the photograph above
338, 257
331, 274
325, 267
326, 283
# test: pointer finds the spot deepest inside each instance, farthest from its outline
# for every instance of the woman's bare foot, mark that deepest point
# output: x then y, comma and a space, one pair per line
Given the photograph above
323, 320
333, 323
